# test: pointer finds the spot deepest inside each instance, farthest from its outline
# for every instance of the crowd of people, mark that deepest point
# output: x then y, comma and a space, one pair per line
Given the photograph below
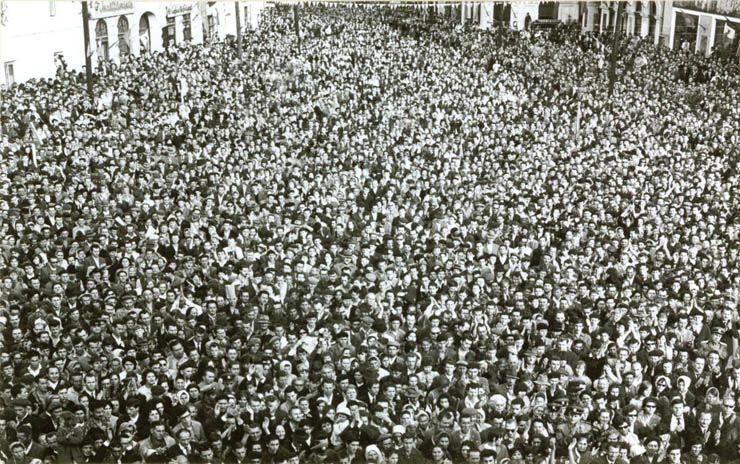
388, 242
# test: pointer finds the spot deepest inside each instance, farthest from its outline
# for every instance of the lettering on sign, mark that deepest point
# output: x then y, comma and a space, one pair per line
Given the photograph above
99, 9
179, 8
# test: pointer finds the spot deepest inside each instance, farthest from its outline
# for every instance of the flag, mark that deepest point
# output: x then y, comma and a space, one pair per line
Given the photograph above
144, 40
33, 155
183, 89
35, 135
729, 31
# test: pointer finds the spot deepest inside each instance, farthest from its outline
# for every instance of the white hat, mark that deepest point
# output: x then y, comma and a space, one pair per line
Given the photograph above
344, 410
685, 378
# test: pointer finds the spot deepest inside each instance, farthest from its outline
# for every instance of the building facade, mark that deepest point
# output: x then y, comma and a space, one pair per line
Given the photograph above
36, 35
515, 15
703, 26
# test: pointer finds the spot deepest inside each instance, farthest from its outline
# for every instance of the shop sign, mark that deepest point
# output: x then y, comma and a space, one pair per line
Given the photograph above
102, 9
179, 9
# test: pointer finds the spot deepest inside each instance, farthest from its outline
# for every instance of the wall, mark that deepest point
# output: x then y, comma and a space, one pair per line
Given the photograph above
568, 12
33, 31
486, 15
519, 13
31, 35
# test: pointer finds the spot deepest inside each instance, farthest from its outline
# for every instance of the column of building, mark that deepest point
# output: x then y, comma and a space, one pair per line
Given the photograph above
629, 27
114, 54
659, 9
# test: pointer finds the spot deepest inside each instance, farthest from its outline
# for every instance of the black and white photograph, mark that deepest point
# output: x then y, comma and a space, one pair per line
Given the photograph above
369, 232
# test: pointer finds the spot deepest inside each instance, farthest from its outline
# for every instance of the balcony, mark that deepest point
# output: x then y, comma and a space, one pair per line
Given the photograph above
719, 7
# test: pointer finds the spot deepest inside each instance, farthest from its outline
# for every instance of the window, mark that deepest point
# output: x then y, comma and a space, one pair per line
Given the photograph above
101, 39
726, 34
169, 32
9, 73
144, 35
637, 26
548, 10
52, 7
124, 47
211, 26
186, 33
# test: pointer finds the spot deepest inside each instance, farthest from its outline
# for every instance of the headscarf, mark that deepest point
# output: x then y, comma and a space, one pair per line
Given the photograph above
381, 458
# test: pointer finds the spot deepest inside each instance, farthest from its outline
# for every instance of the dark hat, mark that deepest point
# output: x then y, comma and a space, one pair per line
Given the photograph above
383, 437
25, 428
20, 402
412, 392
440, 382
695, 439
511, 374
54, 405
575, 387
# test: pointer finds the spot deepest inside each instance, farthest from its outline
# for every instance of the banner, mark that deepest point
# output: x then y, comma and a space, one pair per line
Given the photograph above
176, 9
102, 9
729, 31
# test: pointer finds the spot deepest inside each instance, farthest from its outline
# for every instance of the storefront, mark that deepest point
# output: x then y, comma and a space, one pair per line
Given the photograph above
145, 33
705, 27
184, 24
124, 37
111, 34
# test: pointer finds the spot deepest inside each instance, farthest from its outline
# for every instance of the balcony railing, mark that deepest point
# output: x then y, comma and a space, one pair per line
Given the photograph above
720, 7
